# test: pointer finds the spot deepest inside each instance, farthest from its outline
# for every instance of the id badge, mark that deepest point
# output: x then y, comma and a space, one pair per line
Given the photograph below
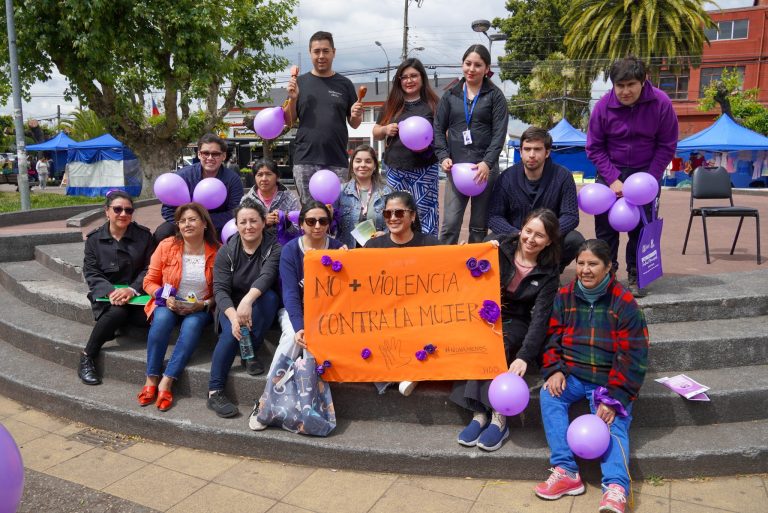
467, 137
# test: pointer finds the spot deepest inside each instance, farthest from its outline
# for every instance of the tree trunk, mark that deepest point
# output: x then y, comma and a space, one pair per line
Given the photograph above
155, 159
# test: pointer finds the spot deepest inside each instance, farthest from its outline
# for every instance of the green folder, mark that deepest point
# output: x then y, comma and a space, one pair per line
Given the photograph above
136, 300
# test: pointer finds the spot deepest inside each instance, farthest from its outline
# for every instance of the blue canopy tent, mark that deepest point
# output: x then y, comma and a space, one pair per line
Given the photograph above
59, 146
98, 165
725, 135
568, 145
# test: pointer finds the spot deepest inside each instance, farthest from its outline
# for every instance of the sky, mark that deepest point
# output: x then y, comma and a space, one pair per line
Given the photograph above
441, 27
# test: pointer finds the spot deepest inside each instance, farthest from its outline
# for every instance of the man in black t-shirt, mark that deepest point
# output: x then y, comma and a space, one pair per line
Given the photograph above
323, 102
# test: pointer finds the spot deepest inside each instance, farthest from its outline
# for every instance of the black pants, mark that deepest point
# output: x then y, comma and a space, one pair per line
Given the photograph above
570, 246
113, 318
604, 230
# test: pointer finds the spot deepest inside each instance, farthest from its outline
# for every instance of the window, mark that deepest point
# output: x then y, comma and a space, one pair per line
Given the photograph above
710, 74
675, 86
732, 29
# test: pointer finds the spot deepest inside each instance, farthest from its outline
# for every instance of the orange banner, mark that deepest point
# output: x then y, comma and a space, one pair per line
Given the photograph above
391, 304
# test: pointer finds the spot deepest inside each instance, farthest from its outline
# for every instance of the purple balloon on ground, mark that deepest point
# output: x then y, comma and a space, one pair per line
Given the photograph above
210, 193
596, 198
623, 216
640, 188
171, 189
588, 436
228, 230
269, 123
508, 394
325, 186
464, 179
11, 473
416, 133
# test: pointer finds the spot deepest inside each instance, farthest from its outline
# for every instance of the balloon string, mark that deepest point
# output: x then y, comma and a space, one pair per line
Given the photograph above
626, 467
493, 328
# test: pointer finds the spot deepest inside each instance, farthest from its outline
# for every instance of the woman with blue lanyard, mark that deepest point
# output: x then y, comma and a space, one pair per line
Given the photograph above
470, 127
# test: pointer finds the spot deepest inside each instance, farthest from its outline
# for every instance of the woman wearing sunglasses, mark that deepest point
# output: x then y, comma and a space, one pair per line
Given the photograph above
362, 197
404, 232
116, 258
180, 281
314, 221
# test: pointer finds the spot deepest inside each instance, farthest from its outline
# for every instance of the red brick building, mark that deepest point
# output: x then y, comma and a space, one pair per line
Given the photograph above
740, 42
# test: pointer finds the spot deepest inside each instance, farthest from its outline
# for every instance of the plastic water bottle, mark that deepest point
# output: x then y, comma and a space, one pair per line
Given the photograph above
246, 348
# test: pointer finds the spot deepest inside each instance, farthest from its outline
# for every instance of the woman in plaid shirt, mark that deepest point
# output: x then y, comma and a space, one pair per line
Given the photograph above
597, 350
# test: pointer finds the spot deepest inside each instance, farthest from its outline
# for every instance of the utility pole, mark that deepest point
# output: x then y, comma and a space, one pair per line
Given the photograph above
405, 33
21, 150
58, 117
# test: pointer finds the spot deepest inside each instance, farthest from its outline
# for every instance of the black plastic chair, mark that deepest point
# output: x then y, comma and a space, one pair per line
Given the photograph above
714, 183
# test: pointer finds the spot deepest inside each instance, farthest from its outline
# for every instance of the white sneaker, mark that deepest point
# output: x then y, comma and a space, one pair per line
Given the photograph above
407, 387
253, 421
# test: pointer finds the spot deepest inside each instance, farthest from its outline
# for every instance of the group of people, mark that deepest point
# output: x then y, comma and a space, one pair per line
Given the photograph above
589, 338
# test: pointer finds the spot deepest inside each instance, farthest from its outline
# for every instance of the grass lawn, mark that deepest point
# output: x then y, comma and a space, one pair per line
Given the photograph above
11, 201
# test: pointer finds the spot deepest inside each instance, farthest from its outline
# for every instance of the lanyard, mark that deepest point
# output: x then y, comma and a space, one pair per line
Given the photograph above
468, 113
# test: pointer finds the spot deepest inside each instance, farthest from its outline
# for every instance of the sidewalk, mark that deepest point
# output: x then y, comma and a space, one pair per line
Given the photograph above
73, 468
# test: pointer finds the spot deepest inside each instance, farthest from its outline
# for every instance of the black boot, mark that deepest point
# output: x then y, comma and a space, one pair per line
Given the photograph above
87, 371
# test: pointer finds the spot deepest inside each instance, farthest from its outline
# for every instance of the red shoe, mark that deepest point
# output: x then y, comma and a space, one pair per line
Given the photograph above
614, 499
164, 400
147, 395
559, 484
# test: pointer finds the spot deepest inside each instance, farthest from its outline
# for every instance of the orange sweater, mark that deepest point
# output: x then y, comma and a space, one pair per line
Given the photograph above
165, 267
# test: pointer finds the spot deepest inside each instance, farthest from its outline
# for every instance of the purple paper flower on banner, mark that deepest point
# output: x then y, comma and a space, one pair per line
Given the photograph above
471, 263
421, 355
365, 353
320, 370
490, 311
476, 273
484, 266
336, 266
326, 260
430, 348
327, 363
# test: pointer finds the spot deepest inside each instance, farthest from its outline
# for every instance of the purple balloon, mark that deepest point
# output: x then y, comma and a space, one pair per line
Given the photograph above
623, 216
325, 186
509, 394
269, 123
293, 216
588, 436
464, 179
228, 230
11, 473
596, 198
640, 188
210, 193
415, 133
171, 189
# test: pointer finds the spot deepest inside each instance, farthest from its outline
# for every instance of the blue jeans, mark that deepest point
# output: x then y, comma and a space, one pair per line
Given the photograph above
554, 414
262, 314
163, 322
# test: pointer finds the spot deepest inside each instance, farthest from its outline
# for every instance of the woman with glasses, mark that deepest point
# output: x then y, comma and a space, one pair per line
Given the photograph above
180, 281
362, 197
413, 171
404, 232
116, 258
244, 274
276, 199
470, 127
314, 221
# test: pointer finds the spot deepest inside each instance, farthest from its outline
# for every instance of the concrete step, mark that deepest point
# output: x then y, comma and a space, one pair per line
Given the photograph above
65, 259
718, 449
738, 394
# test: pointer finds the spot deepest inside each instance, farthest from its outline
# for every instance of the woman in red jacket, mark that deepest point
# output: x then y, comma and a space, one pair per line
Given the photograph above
180, 280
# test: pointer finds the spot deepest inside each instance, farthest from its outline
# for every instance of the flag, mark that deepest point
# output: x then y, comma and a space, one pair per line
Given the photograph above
155, 110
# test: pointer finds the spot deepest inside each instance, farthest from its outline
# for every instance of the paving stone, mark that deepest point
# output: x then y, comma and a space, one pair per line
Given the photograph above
43, 453
9, 407
156, 487
205, 465
326, 491
743, 494
22, 433
287, 508
40, 420
264, 478
517, 496
214, 497
403, 497
147, 451
96, 468
457, 487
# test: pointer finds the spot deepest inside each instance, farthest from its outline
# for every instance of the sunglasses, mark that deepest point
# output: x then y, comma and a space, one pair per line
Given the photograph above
397, 213
311, 221
209, 154
119, 210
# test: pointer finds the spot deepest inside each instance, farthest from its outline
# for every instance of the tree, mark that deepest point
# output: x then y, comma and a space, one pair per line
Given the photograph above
668, 32
84, 125
741, 106
205, 56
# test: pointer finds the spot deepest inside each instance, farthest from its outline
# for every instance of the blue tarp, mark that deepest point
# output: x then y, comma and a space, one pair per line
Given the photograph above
99, 165
724, 135
568, 148
59, 146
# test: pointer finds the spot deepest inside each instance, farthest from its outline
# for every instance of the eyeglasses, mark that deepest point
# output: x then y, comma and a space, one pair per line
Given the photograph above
188, 220
211, 154
405, 78
397, 213
119, 210
311, 221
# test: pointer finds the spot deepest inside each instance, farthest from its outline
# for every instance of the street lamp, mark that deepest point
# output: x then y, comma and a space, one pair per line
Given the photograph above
387, 57
483, 26
417, 49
